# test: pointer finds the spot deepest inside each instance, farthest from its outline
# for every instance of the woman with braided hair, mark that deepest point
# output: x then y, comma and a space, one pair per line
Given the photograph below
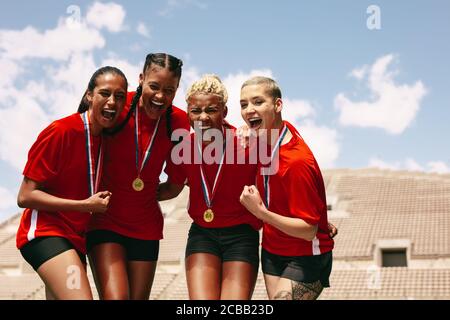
123, 243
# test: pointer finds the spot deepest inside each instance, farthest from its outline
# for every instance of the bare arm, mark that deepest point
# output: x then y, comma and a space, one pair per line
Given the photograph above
31, 195
294, 227
167, 190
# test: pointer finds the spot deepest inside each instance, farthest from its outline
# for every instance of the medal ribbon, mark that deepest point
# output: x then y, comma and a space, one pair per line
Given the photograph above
266, 176
148, 149
94, 172
208, 194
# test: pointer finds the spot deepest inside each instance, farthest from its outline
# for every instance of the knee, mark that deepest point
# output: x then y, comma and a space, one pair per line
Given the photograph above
114, 295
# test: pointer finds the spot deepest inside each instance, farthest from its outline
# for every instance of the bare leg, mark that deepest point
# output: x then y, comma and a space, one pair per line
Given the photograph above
65, 277
271, 285
48, 294
203, 273
238, 280
140, 277
109, 266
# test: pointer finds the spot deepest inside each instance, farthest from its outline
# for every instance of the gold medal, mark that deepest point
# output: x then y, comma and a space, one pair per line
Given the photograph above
138, 184
208, 216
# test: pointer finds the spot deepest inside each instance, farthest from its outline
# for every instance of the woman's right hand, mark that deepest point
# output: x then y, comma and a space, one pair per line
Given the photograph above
98, 203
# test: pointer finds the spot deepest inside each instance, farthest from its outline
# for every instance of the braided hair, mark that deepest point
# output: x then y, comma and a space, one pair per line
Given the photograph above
84, 103
163, 60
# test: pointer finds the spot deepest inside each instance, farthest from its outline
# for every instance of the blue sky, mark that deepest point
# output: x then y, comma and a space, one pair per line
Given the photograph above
360, 97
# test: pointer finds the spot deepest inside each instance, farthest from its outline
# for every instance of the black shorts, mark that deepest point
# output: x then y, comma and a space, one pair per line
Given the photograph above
236, 243
306, 269
136, 249
42, 249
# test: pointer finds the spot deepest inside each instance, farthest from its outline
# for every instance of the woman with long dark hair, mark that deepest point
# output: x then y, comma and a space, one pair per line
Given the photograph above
60, 188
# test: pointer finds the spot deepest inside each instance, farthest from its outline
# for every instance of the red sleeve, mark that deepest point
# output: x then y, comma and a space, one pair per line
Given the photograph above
175, 172
44, 157
305, 196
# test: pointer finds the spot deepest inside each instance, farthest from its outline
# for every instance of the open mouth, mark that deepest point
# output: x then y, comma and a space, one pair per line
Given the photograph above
108, 114
254, 122
156, 105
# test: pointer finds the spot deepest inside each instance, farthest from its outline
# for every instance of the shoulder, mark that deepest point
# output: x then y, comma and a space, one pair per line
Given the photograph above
179, 118
57, 135
297, 150
301, 161
67, 125
177, 112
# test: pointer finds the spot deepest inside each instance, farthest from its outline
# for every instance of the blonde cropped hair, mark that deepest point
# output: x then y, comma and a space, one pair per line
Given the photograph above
208, 84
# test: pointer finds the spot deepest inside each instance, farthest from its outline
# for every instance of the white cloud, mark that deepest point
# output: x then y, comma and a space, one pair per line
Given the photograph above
10, 71
59, 89
143, 30
7, 199
438, 167
37, 90
50, 92
395, 105
233, 83
19, 125
410, 164
359, 73
131, 71
297, 109
190, 74
58, 43
106, 15
68, 82
322, 140
381, 164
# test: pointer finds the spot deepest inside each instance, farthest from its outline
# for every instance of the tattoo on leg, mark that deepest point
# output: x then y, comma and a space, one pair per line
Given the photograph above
306, 291
283, 295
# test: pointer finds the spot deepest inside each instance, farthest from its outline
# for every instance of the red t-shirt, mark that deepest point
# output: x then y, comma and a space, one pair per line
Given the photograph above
132, 213
228, 211
58, 161
296, 190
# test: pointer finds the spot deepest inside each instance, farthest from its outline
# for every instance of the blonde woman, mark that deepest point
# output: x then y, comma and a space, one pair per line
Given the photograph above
222, 255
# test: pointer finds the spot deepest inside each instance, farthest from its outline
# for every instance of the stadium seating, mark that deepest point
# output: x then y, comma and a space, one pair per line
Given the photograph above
369, 207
